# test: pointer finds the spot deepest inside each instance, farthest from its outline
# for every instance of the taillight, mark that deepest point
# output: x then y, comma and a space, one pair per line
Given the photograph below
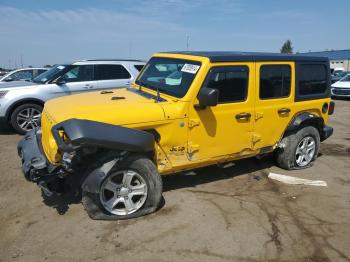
331, 108
324, 108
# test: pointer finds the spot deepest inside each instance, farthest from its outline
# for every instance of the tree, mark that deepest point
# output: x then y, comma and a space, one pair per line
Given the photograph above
287, 47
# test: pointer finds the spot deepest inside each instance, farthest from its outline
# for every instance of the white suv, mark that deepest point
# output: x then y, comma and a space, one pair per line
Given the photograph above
21, 102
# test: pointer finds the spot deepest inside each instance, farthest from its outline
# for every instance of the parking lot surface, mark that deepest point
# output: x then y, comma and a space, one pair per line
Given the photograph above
212, 214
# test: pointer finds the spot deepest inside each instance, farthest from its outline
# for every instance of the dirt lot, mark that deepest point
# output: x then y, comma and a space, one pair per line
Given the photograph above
233, 214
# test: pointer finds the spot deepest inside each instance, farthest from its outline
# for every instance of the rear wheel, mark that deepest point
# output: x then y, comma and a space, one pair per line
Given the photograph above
300, 149
26, 117
131, 189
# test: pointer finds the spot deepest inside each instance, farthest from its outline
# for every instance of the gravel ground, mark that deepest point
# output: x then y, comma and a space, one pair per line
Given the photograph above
214, 214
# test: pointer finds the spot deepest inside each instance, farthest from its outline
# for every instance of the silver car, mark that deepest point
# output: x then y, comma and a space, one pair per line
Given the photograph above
21, 102
22, 74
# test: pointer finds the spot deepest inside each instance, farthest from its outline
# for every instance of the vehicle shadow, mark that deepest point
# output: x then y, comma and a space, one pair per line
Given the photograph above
62, 202
4, 130
176, 181
216, 173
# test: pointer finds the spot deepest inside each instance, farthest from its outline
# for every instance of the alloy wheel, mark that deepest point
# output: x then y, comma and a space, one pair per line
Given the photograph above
28, 118
305, 151
123, 192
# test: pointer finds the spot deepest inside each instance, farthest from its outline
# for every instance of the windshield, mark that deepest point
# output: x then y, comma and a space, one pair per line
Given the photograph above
346, 78
51, 74
171, 76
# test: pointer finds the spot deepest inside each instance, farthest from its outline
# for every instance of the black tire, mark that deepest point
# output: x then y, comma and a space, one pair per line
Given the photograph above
13, 119
286, 156
145, 168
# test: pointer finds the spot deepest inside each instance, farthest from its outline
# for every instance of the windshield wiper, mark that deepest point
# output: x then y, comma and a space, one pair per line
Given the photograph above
140, 83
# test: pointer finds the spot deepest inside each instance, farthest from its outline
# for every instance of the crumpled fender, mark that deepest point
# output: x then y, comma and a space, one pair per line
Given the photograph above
96, 134
94, 180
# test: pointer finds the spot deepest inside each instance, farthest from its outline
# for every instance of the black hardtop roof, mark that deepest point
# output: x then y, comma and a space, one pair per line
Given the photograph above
229, 56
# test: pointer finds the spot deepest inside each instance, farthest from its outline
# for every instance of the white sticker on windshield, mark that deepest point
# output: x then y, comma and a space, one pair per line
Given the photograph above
60, 67
188, 68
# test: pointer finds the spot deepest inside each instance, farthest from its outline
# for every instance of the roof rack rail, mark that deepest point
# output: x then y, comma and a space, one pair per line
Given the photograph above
111, 59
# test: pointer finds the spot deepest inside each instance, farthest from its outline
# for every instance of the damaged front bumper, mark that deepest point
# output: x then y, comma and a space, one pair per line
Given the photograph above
35, 166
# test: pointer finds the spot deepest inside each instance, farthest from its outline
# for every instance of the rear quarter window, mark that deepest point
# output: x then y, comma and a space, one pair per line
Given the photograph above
139, 67
313, 79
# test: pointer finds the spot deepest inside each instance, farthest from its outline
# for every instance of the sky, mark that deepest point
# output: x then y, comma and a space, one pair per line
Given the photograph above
39, 32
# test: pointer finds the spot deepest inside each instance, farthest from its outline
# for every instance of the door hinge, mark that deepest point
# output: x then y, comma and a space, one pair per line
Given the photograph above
192, 148
259, 115
193, 123
256, 138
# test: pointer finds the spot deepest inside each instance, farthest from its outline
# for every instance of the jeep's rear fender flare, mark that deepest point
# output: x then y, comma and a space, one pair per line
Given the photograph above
87, 133
304, 119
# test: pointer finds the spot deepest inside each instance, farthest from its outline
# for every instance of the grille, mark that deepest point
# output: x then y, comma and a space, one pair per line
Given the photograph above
338, 91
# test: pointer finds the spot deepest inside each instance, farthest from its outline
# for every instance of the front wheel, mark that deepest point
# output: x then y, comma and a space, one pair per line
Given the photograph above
300, 149
26, 117
131, 189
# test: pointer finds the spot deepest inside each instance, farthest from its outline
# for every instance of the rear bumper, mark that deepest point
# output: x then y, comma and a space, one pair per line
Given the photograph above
34, 162
327, 131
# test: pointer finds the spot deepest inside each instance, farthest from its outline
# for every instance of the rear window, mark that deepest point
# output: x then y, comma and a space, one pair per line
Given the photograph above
312, 79
110, 72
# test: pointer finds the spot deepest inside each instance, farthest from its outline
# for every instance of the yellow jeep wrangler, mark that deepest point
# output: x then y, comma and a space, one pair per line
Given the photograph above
185, 110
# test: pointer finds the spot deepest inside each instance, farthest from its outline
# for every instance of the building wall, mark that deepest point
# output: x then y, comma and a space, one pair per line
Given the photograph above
345, 64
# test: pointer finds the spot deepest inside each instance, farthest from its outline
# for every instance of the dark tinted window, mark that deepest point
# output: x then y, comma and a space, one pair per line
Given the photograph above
79, 73
109, 72
40, 71
312, 79
139, 67
232, 83
274, 81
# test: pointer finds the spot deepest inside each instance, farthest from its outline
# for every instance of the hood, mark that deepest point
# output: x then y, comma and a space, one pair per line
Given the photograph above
342, 84
123, 107
12, 84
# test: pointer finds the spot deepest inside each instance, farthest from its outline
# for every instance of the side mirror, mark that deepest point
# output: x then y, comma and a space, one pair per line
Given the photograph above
8, 79
207, 97
60, 81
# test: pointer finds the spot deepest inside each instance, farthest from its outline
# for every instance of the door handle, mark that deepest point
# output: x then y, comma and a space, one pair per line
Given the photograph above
283, 110
88, 86
241, 116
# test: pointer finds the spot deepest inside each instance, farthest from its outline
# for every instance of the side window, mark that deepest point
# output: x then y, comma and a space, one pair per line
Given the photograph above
231, 81
22, 75
275, 81
110, 72
312, 79
79, 73
138, 67
40, 71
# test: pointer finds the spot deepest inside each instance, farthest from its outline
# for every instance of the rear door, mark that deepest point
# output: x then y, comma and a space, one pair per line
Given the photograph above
111, 76
225, 129
274, 106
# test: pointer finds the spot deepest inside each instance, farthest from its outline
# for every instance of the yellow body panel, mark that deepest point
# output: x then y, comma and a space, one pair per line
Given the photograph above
189, 137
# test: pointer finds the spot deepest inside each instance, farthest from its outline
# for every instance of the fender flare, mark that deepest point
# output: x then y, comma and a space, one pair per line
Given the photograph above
87, 133
304, 118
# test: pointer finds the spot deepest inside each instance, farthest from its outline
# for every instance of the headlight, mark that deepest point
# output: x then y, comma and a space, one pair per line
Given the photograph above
3, 93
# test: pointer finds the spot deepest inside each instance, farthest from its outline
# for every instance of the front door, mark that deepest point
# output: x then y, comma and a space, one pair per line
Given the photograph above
225, 129
274, 101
